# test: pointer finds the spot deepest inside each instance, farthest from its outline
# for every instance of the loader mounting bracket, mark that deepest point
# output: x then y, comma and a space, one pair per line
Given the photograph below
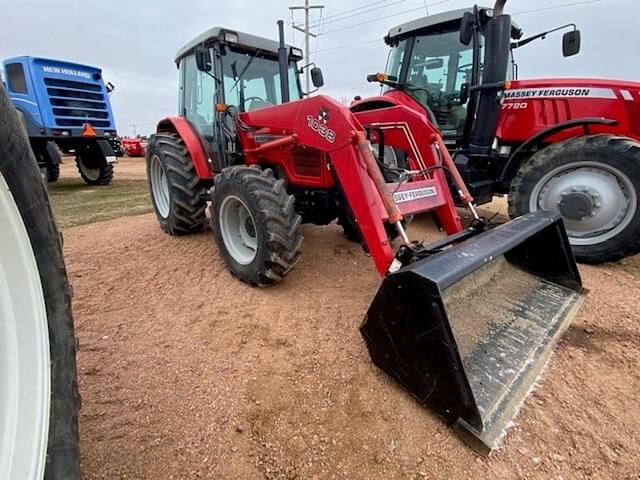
408, 254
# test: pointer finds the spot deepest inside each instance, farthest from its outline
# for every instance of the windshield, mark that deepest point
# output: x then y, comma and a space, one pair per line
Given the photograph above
438, 66
252, 80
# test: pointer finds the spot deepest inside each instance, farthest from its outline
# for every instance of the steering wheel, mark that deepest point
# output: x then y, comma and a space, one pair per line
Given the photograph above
244, 105
463, 68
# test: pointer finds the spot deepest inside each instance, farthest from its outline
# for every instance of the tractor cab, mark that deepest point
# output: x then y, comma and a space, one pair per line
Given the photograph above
224, 72
430, 62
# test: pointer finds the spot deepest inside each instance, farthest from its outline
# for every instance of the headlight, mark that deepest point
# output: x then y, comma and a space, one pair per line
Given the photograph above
230, 37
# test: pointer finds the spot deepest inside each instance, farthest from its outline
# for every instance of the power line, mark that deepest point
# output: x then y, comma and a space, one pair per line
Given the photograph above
554, 7
377, 40
320, 31
521, 13
307, 33
384, 17
363, 7
330, 19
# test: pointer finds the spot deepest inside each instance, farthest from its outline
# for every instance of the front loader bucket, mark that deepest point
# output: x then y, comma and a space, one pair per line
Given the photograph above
467, 331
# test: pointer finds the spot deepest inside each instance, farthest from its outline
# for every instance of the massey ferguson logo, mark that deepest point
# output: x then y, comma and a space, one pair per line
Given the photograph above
319, 124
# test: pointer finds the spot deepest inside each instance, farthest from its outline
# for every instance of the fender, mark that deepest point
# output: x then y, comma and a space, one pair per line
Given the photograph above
183, 128
510, 168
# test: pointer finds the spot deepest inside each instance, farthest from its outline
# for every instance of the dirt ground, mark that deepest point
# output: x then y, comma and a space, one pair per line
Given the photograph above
187, 373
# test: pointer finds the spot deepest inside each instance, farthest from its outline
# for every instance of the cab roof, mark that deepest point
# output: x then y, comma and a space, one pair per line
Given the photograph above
245, 40
424, 23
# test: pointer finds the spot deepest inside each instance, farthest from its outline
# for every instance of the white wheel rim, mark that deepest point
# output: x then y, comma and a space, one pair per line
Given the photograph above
92, 174
613, 197
159, 186
238, 230
24, 350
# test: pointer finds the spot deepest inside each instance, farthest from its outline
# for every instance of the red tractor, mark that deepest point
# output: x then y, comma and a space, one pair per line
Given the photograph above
567, 145
133, 147
465, 323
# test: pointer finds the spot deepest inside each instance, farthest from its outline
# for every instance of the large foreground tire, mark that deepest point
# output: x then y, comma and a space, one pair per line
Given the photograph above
37, 345
92, 163
255, 225
594, 183
177, 194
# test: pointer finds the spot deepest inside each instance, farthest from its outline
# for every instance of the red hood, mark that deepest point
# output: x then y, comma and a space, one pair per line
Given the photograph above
574, 82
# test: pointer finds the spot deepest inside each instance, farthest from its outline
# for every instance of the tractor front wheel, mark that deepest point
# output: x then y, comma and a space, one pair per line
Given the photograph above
594, 183
92, 163
177, 193
255, 225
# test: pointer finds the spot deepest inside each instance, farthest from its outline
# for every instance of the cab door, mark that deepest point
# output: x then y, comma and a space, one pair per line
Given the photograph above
197, 104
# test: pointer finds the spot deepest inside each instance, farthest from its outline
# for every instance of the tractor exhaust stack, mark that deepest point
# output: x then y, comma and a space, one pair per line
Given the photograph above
467, 331
283, 63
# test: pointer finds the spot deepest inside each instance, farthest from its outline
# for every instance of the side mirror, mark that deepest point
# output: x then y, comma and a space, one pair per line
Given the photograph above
466, 28
464, 93
434, 64
316, 77
571, 43
203, 59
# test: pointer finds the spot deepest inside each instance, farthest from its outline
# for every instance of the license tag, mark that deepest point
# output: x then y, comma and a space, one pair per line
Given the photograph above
416, 194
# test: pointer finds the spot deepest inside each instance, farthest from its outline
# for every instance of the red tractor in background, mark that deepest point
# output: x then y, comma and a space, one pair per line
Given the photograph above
133, 147
465, 323
567, 145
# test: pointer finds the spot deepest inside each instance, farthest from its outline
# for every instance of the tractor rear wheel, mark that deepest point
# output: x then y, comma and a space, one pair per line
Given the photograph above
177, 193
39, 400
594, 183
93, 165
255, 225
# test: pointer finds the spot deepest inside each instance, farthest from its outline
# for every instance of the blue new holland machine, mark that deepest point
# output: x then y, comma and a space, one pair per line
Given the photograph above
64, 104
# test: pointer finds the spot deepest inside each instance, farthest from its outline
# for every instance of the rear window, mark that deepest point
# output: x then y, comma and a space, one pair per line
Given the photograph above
15, 77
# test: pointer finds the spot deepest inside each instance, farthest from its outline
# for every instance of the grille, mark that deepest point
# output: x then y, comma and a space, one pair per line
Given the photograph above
74, 103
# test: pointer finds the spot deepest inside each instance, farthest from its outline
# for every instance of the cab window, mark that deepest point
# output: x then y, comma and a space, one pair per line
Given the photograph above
198, 97
16, 79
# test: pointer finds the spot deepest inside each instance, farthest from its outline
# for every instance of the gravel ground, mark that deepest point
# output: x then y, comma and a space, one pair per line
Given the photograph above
187, 373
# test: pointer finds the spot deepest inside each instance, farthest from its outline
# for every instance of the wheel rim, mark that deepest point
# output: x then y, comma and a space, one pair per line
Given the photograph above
238, 230
597, 201
24, 350
159, 186
92, 174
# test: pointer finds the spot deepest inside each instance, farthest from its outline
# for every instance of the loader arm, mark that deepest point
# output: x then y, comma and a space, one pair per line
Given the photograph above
323, 124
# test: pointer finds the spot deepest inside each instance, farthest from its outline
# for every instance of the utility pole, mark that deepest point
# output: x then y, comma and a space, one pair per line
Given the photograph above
307, 7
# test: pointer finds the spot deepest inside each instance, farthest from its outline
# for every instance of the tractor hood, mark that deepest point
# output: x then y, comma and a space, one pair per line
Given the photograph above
573, 87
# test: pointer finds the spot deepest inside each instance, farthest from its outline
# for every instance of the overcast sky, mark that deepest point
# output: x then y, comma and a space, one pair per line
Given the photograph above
135, 41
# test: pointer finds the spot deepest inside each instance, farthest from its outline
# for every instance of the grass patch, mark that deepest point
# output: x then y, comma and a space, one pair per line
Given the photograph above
76, 203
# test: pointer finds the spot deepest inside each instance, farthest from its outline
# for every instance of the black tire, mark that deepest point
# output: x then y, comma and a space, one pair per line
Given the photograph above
19, 169
53, 165
621, 153
187, 193
53, 173
352, 233
276, 225
349, 227
92, 163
